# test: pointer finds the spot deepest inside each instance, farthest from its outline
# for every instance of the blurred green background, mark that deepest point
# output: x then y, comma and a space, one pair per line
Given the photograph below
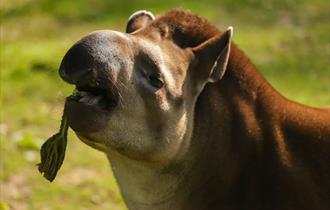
288, 40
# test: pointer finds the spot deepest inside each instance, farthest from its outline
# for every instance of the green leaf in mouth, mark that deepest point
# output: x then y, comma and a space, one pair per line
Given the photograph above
53, 152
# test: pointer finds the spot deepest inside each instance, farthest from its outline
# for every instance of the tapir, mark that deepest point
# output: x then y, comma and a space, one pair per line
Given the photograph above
189, 123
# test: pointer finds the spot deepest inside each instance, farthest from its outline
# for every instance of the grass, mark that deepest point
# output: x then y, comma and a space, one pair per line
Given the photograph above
288, 40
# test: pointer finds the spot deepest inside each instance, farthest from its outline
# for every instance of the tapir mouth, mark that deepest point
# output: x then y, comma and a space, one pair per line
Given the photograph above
96, 97
88, 109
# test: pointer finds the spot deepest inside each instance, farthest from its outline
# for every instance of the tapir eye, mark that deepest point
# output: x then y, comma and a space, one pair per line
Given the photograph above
155, 80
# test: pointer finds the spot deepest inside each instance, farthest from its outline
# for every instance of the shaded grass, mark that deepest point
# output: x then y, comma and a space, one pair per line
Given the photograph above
288, 40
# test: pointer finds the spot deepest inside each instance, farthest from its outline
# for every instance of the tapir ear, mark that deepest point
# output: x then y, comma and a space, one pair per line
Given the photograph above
139, 20
213, 55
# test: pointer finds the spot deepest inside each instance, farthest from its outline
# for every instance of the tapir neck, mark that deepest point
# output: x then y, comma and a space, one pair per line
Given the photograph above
228, 138
149, 186
238, 140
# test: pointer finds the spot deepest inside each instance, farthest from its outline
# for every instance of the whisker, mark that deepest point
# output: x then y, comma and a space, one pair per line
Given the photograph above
119, 85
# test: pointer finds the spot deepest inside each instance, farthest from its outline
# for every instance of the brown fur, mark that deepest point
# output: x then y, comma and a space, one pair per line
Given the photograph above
186, 29
277, 156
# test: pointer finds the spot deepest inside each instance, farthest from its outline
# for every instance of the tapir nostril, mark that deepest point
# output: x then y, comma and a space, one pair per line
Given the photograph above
80, 77
83, 77
77, 65
64, 75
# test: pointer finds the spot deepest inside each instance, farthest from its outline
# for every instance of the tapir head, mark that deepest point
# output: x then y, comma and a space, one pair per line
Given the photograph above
136, 91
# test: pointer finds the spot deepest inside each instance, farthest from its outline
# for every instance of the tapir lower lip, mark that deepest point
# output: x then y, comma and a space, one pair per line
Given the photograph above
85, 118
97, 102
98, 97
